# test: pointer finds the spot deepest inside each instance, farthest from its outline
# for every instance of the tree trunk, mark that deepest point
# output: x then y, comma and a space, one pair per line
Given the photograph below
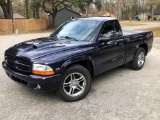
26, 3
53, 19
130, 14
103, 6
110, 8
34, 15
9, 4
122, 15
37, 13
119, 10
152, 11
87, 10
5, 11
98, 12
130, 18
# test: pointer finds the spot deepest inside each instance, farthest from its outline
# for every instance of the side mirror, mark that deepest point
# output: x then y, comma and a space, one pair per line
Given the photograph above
115, 34
104, 37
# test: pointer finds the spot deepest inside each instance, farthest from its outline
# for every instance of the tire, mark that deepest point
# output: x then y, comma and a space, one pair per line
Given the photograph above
139, 59
75, 84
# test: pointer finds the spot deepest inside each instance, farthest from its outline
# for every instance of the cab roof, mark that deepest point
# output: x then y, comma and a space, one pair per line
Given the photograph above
100, 19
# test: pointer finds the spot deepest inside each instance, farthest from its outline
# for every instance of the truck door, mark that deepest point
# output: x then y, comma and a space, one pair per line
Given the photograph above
110, 52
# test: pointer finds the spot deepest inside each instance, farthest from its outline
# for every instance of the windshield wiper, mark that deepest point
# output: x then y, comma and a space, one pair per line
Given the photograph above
54, 36
67, 37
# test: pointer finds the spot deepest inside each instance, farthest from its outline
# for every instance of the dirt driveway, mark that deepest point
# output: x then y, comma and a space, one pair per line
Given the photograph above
120, 94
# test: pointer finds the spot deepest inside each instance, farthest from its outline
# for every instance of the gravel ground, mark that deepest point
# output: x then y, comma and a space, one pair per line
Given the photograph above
120, 94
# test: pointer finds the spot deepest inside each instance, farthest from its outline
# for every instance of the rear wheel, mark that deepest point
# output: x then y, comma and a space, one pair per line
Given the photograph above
75, 84
139, 60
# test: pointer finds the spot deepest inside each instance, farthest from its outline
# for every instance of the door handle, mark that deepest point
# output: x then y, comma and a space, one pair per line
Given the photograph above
112, 43
102, 43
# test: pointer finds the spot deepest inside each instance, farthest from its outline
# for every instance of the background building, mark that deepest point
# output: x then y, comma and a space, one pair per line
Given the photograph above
64, 15
16, 15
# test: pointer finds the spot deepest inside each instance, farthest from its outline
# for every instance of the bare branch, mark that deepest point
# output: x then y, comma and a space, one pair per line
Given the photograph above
60, 3
45, 9
55, 2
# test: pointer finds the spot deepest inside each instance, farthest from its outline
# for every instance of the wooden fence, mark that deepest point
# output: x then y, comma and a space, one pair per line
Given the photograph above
23, 25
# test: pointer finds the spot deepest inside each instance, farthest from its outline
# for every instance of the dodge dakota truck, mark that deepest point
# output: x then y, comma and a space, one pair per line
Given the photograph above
68, 59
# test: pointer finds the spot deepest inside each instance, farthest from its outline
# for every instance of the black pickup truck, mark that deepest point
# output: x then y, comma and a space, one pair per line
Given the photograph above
74, 54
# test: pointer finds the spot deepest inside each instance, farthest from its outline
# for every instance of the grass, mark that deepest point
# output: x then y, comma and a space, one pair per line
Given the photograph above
156, 31
128, 24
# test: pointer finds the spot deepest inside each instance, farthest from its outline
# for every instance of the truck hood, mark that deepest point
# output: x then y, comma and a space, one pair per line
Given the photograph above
42, 47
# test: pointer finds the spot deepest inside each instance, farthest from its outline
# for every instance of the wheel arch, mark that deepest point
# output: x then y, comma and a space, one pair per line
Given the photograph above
143, 45
87, 63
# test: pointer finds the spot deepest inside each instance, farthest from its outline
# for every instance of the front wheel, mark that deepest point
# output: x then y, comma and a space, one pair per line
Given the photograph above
75, 84
139, 60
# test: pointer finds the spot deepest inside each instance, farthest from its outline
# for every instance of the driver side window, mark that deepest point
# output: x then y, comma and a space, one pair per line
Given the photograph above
109, 30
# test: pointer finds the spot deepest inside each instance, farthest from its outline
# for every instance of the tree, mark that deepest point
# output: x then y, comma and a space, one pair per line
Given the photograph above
99, 5
83, 5
87, 3
52, 7
129, 8
34, 8
78, 4
6, 7
26, 3
18, 6
110, 6
153, 4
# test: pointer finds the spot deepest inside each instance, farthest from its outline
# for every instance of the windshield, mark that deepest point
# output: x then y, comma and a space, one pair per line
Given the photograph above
77, 29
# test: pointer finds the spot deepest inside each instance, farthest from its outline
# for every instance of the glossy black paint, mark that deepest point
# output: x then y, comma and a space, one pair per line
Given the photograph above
49, 83
103, 54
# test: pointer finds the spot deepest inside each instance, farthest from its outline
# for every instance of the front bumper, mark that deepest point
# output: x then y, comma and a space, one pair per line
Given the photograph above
40, 83
149, 49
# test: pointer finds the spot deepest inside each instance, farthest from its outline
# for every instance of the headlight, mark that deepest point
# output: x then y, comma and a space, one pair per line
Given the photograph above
43, 70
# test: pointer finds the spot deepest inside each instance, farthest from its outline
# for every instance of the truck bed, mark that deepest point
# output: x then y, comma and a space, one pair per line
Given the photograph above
127, 32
